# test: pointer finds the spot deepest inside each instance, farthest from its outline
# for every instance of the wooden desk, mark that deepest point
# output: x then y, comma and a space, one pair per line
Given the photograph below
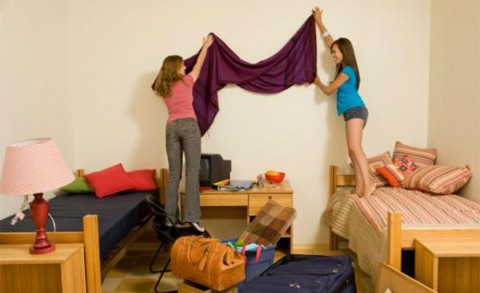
251, 200
62, 270
448, 265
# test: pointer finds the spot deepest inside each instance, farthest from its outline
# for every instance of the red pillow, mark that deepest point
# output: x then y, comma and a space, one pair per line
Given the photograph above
143, 179
110, 181
392, 174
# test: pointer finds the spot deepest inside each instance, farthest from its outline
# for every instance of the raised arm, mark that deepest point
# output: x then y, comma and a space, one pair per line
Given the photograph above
207, 42
317, 14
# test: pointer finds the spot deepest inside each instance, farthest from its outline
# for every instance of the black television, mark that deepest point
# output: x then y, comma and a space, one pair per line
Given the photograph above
213, 168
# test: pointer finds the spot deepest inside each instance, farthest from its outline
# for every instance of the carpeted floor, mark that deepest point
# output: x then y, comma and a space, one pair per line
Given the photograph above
131, 275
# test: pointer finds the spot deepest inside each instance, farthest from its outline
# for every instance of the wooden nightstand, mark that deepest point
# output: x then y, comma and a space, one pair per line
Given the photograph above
448, 265
62, 270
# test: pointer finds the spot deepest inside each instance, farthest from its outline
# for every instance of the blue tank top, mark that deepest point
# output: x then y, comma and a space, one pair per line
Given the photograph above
347, 94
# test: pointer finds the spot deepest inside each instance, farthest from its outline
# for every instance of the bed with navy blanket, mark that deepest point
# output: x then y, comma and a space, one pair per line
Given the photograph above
117, 216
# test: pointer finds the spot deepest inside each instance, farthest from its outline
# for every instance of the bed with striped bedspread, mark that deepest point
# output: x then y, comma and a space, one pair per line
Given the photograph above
363, 221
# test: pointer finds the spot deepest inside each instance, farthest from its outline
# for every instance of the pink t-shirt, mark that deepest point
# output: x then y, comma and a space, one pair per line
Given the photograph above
180, 102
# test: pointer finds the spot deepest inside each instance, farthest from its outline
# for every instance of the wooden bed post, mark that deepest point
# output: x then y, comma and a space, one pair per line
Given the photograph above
333, 179
162, 185
333, 240
92, 254
79, 173
336, 181
333, 189
394, 240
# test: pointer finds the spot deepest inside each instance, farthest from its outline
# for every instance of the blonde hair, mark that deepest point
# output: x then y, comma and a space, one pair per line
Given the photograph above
167, 75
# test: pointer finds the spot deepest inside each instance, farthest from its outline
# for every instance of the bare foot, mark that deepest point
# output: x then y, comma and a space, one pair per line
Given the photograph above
369, 190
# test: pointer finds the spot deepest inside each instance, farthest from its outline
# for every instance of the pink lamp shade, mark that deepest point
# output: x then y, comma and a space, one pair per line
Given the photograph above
33, 167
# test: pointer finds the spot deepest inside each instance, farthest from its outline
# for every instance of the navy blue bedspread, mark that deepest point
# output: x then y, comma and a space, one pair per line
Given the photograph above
117, 215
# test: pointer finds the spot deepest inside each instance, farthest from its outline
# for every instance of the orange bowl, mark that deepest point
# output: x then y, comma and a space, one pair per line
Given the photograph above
274, 177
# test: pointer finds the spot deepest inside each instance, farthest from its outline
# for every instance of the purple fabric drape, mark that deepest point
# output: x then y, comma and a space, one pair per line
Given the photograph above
295, 63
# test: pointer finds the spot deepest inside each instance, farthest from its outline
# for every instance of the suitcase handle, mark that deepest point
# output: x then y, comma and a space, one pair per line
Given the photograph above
202, 259
209, 247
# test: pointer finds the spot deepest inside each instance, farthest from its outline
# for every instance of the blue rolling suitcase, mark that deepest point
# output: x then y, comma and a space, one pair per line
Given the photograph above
306, 273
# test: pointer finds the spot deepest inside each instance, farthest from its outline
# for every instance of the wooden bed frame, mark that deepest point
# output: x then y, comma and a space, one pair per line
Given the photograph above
95, 271
390, 278
397, 238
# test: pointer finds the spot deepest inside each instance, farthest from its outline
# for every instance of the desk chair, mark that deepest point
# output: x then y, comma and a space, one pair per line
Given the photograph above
167, 233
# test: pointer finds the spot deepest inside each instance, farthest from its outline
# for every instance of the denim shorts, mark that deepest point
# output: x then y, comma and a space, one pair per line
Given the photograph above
357, 112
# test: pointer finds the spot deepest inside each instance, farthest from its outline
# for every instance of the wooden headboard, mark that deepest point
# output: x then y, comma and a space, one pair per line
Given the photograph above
336, 180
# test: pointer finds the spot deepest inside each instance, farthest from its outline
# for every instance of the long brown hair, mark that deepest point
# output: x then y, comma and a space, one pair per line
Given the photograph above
346, 48
167, 75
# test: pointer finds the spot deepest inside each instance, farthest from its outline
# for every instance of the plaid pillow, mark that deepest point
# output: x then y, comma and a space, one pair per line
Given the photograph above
269, 224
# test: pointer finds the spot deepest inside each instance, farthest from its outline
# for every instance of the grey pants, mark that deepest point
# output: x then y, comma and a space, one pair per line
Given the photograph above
183, 136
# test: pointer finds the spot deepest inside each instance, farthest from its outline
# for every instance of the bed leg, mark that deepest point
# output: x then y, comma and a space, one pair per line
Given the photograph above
333, 241
394, 240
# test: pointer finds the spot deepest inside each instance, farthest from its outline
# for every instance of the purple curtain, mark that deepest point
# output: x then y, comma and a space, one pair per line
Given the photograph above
295, 63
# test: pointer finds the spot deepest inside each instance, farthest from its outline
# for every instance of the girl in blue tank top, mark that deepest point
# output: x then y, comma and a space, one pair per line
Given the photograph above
349, 102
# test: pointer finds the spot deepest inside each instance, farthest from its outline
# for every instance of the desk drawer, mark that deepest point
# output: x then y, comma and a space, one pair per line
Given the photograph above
257, 201
223, 200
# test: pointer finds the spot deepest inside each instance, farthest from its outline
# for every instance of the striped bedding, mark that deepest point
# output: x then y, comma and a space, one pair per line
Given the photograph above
363, 220
418, 209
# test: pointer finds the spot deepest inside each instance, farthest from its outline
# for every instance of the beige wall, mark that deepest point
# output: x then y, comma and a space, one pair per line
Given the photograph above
99, 58
454, 106
34, 83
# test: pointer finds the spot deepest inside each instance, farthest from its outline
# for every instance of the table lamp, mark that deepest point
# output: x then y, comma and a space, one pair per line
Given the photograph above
35, 166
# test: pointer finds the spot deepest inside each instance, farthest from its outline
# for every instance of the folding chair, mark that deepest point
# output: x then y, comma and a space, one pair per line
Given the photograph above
167, 233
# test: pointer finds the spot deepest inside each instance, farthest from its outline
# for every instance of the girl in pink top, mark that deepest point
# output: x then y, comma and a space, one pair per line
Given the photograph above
183, 134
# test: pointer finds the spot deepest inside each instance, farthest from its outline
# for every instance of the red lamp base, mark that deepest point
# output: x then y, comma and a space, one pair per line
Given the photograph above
39, 212
41, 250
